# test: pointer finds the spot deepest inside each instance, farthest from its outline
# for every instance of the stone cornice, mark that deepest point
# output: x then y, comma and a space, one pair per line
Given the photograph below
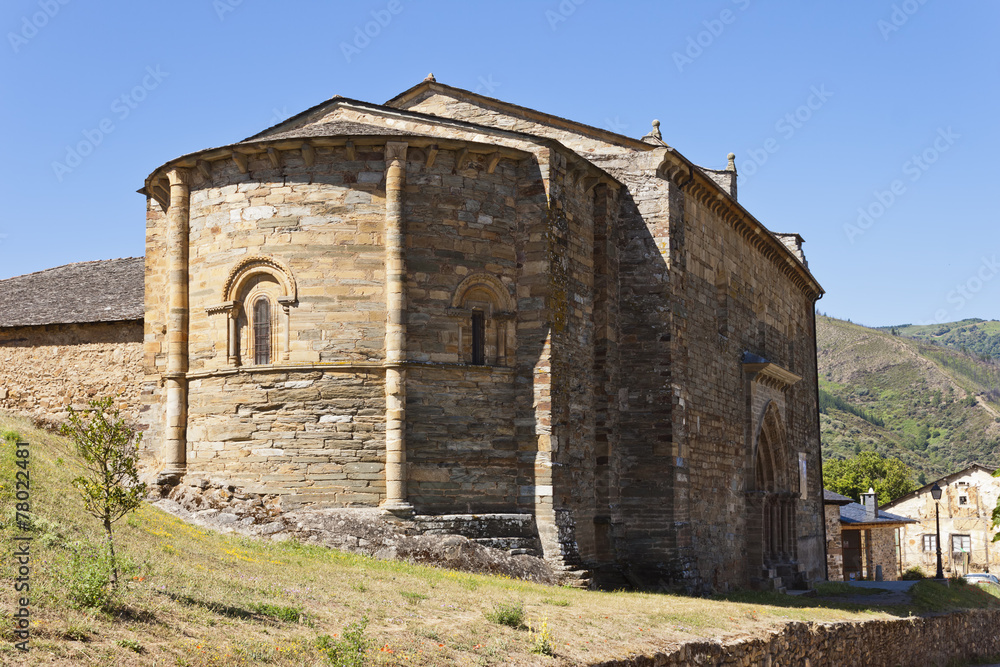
771, 375
686, 175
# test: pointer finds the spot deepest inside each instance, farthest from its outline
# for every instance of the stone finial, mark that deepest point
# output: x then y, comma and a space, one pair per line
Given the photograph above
654, 135
732, 162
430, 77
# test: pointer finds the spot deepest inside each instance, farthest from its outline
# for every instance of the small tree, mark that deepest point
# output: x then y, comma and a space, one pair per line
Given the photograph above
110, 483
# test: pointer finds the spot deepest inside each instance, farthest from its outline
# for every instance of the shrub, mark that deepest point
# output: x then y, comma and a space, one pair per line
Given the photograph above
349, 651
88, 576
510, 614
913, 574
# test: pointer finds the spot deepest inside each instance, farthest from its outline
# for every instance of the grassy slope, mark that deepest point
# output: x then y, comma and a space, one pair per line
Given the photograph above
909, 385
200, 598
979, 336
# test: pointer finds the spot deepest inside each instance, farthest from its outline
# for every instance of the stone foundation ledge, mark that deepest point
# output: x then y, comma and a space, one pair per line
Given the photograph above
929, 641
364, 531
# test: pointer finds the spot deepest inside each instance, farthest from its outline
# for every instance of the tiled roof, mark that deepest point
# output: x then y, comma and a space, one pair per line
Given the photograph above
109, 290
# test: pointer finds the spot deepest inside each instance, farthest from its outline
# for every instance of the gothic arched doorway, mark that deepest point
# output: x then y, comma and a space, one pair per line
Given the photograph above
771, 506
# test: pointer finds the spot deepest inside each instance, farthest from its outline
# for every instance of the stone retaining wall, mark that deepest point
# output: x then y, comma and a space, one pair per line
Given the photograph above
912, 642
43, 369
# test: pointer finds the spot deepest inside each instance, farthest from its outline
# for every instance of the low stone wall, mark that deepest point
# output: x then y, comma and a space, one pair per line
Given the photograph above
911, 642
43, 369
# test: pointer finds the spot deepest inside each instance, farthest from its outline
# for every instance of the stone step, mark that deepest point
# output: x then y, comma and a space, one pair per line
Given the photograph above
527, 545
476, 526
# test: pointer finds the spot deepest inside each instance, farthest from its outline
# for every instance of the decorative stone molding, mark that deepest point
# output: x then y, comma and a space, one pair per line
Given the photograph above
767, 373
255, 265
503, 303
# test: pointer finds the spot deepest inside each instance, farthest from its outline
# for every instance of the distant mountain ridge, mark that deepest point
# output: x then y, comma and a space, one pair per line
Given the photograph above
975, 335
932, 405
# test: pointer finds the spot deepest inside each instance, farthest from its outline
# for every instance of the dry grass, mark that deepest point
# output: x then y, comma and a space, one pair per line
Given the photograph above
197, 597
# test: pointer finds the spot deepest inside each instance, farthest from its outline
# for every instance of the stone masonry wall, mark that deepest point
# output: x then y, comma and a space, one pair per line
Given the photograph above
737, 301
834, 544
882, 552
973, 518
309, 436
933, 641
43, 369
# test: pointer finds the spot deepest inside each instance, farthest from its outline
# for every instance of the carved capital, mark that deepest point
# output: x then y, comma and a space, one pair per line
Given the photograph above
395, 150
178, 176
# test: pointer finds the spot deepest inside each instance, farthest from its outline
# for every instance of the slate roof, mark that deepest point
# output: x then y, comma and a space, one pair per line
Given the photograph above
332, 129
831, 498
854, 513
110, 290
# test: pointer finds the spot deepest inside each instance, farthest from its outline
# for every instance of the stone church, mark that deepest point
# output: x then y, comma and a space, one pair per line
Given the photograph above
448, 304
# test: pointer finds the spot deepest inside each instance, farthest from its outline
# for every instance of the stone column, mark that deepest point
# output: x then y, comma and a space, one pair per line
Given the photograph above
175, 450
395, 333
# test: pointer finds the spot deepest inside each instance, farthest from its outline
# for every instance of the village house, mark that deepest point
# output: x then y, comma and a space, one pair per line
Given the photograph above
862, 542
968, 498
453, 305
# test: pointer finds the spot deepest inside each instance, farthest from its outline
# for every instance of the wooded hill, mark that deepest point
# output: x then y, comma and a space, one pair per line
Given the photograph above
934, 407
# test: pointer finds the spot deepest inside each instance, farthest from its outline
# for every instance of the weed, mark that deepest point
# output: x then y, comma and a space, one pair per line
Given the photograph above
130, 644
413, 598
286, 614
510, 614
555, 602
541, 639
359, 587
349, 651
913, 573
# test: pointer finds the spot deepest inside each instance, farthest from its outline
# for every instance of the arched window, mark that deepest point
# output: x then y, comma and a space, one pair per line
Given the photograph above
484, 308
256, 329
478, 337
262, 331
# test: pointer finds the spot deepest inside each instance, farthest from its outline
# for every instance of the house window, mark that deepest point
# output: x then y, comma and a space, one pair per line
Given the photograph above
963, 500
262, 331
478, 337
930, 542
961, 544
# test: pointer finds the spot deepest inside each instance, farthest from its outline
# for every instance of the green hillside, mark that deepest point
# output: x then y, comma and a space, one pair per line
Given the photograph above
980, 337
931, 406
194, 597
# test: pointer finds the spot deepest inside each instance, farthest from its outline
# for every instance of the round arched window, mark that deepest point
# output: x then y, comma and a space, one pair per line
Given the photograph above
262, 331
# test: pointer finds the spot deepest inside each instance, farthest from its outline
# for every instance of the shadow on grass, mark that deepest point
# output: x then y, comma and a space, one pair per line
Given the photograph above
926, 597
258, 612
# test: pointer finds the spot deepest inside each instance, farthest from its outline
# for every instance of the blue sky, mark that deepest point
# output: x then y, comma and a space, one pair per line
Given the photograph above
867, 126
